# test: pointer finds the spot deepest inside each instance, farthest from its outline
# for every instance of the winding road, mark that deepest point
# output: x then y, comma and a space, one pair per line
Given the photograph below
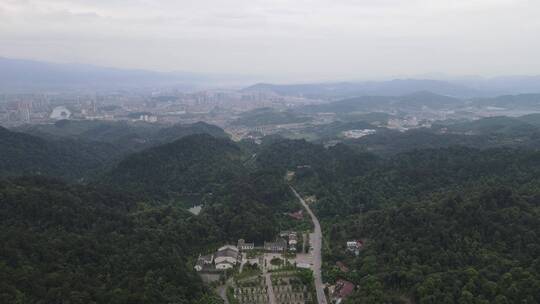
316, 243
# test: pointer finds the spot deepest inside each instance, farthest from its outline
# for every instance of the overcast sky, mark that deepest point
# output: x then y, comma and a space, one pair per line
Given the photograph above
293, 39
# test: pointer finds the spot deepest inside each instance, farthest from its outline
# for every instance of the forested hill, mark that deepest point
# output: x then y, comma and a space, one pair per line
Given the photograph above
194, 164
23, 154
77, 244
125, 136
446, 225
268, 116
467, 248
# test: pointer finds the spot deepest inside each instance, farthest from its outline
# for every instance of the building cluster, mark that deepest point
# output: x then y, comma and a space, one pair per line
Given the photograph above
224, 258
167, 106
229, 256
355, 134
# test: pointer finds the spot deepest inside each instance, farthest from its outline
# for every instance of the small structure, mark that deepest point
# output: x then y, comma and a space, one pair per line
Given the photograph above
355, 246
243, 246
285, 233
226, 257
203, 261
342, 266
342, 290
298, 215
293, 241
278, 245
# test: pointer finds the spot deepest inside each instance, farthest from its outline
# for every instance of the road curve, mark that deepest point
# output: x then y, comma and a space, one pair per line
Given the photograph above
316, 242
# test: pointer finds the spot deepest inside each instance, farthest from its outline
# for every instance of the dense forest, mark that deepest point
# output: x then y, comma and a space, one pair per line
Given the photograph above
464, 248
79, 244
122, 234
125, 136
71, 159
268, 116
445, 225
446, 215
192, 165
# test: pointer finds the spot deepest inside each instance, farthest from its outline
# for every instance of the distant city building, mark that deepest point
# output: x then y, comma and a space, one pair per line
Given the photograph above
59, 113
148, 118
358, 133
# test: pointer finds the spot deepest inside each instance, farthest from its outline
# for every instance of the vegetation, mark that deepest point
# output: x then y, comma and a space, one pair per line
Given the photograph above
125, 136
268, 116
78, 244
23, 154
447, 217
474, 248
192, 165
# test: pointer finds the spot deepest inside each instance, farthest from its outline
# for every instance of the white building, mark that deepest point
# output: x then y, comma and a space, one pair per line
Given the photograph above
243, 246
226, 257
60, 113
203, 261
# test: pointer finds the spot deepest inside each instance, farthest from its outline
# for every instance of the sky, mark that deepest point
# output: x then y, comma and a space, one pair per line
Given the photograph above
287, 39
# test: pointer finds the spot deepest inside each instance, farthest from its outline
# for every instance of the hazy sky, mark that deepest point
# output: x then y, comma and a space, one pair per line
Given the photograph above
293, 39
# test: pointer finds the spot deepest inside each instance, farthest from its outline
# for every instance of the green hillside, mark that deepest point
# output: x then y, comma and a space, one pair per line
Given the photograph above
268, 116
192, 165
23, 154
74, 244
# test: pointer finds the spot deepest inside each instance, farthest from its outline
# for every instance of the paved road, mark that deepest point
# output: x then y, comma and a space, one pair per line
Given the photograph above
222, 291
271, 295
316, 243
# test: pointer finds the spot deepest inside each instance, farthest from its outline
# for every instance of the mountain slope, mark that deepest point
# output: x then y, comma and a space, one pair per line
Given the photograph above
78, 244
268, 116
17, 73
416, 101
195, 164
521, 101
23, 154
467, 248
126, 136
378, 88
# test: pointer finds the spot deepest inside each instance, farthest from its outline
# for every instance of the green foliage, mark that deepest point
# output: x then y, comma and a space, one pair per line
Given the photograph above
77, 244
23, 154
125, 136
455, 250
268, 116
196, 164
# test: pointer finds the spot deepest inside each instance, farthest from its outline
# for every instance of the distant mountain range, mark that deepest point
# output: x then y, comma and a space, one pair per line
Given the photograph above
462, 87
414, 101
349, 89
23, 75
18, 74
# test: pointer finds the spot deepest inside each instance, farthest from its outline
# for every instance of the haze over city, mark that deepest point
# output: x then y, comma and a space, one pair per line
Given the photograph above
281, 40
